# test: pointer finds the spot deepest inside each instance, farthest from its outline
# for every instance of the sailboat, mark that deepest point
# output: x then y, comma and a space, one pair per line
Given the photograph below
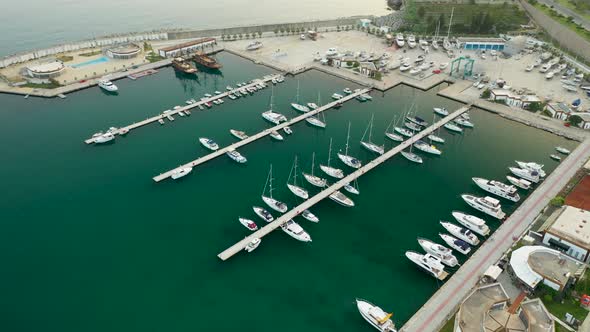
391, 135
401, 130
270, 115
433, 137
412, 156
331, 171
271, 202
312, 179
315, 120
352, 188
345, 158
298, 107
368, 144
295, 189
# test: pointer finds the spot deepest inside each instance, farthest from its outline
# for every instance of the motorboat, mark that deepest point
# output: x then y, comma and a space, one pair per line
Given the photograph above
465, 116
107, 85
465, 123
269, 200
405, 67
471, 222
275, 135
458, 245
369, 145
312, 179
294, 230
218, 92
441, 111
428, 263
526, 174
434, 138
183, 171
293, 187
529, 68
348, 160
366, 96
415, 71
378, 318
411, 41
487, 205
420, 59
331, 171
562, 150
288, 130
423, 44
272, 117
532, 166
351, 189
435, 45
310, 216
520, 183
453, 127
252, 245
262, 213
238, 134
412, 157
104, 138
337, 96
314, 121
347, 91
555, 157
428, 148
249, 224
209, 143
403, 131
461, 233
341, 199
498, 188
236, 156
443, 253
399, 40
443, 65
253, 46
414, 127
312, 106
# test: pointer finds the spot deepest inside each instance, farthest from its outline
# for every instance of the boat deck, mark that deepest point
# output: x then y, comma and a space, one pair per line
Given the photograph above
156, 118
239, 246
259, 135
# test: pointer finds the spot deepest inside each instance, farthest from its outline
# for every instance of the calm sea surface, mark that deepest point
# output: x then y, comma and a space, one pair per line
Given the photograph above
88, 242
35, 24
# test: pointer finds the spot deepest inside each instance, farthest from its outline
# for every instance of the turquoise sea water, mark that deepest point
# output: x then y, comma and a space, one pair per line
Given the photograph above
88, 242
90, 62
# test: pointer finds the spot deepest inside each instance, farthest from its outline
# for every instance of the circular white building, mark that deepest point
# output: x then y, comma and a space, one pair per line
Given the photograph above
46, 70
125, 51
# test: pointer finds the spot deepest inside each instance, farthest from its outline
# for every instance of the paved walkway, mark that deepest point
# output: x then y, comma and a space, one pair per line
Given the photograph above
444, 302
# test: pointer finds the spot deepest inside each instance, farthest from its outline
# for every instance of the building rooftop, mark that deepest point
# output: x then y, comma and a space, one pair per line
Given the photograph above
580, 196
536, 313
481, 40
125, 49
187, 44
571, 224
476, 306
47, 67
560, 107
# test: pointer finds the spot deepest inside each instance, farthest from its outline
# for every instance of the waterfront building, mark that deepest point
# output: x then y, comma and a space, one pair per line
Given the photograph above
480, 43
534, 265
512, 99
123, 51
46, 70
559, 110
488, 308
188, 47
568, 231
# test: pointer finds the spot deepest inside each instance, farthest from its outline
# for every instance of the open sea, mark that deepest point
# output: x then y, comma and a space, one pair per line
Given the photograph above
88, 242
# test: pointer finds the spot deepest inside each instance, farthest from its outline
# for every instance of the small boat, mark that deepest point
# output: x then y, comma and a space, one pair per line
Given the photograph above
399, 40
238, 134
229, 88
378, 318
443, 253
434, 138
411, 41
232, 97
414, 127
249, 224
287, 130
187, 112
473, 223
104, 138
458, 245
294, 230
465, 123
177, 174
209, 143
217, 92
520, 183
461, 233
300, 108
161, 121
403, 131
347, 91
348, 160
550, 75
351, 189
443, 65
453, 127
532, 166
337, 96
562, 150
181, 113
312, 179
526, 174
310, 216
314, 121
107, 85
294, 188
405, 67
253, 46
262, 213
236, 156
341, 199
487, 205
441, 111
529, 68
252, 245
415, 71
498, 188
275, 135
369, 145
412, 157
425, 147
170, 117
208, 95
331, 171
555, 157
269, 200
428, 263
312, 106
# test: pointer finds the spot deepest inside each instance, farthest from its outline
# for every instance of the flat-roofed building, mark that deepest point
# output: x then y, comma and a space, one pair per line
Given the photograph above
568, 230
46, 70
123, 51
188, 47
476, 43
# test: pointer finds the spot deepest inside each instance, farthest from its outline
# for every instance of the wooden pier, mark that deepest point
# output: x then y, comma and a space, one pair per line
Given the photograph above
234, 249
224, 94
259, 135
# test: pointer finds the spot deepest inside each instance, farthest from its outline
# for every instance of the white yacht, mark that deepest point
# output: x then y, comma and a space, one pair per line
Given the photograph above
288, 130
295, 231
520, 183
369, 145
275, 135
555, 157
104, 138
498, 188
272, 117
445, 254
414, 127
441, 111
254, 46
399, 40
298, 107
563, 150
417, 120
209, 143
429, 263
348, 160
411, 41
425, 147
252, 245
465, 123
531, 166
375, 316
461, 233
434, 138
107, 85
331, 171
453, 127
312, 106
526, 174
487, 205
177, 174
238, 134
310, 216
295, 189
459, 245
403, 131
249, 224
347, 91
262, 213
412, 157
337, 96
269, 200
341, 199
473, 223
312, 179
236, 156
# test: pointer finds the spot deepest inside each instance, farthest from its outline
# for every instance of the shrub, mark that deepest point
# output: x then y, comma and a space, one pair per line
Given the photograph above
575, 120
486, 94
557, 201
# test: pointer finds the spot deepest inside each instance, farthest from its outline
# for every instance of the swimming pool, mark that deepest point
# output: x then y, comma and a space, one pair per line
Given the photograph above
91, 62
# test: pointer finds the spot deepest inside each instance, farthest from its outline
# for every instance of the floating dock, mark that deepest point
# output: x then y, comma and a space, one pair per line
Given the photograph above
125, 130
229, 252
261, 134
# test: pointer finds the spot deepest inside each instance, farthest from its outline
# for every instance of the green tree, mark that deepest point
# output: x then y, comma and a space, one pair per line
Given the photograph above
276, 31
421, 12
575, 120
557, 201
486, 94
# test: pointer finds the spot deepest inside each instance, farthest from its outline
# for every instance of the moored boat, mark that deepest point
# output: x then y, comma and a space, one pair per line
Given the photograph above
453, 127
375, 316
312, 179
563, 150
412, 157
249, 224
443, 253
458, 245
341, 199
275, 135
294, 230
184, 171
526, 174
252, 245
497, 188
487, 205
309, 216
209, 143
236, 156
269, 200
471, 222
428, 263
461, 233
428, 148
348, 160
238, 134
441, 111
520, 183
262, 213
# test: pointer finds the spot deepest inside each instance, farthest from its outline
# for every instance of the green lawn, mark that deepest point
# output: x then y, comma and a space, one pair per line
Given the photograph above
89, 54
52, 85
581, 7
564, 21
449, 326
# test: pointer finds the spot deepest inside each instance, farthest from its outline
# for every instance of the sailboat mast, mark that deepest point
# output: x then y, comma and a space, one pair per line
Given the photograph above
330, 152
270, 174
450, 22
371, 128
347, 138
295, 171
297, 97
272, 95
312, 162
